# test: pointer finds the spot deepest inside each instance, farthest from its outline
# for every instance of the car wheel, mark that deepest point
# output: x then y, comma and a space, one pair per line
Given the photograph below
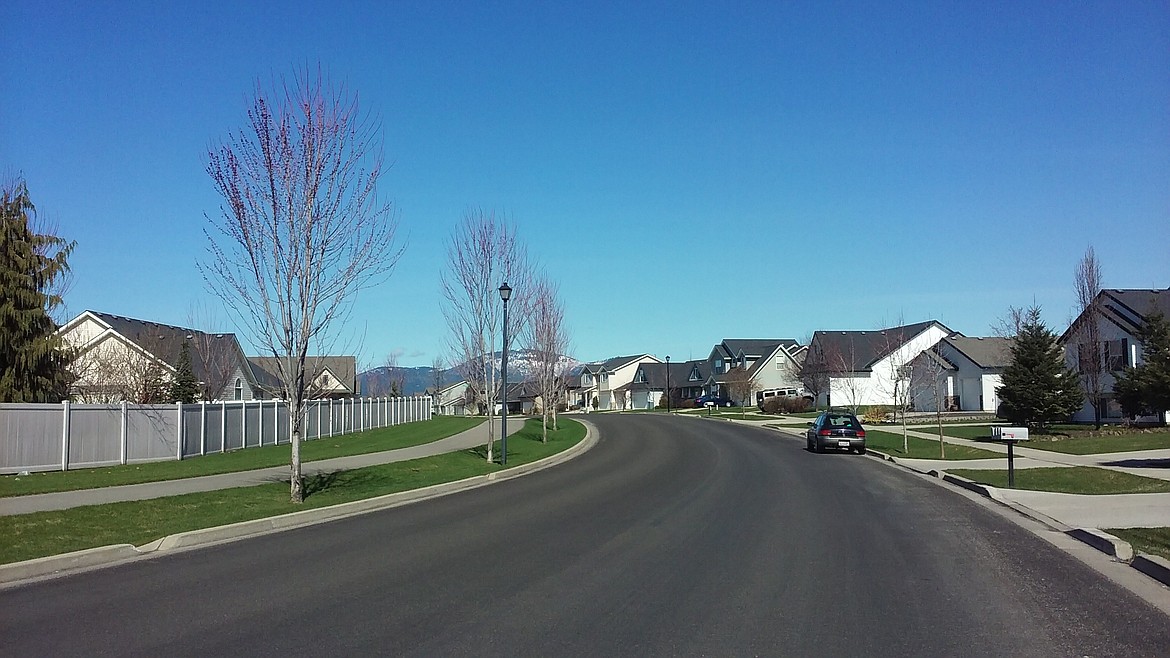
861, 450
817, 447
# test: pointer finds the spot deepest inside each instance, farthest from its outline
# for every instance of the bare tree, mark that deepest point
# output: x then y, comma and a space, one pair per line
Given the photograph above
483, 253
112, 372
1087, 328
895, 382
216, 354
741, 383
438, 367
547, 341
395, 377
929, 379
302, 229
1009, 324
812, 372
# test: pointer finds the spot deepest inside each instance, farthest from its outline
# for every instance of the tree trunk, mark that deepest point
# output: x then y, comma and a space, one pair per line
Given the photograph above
297, 484
942, 445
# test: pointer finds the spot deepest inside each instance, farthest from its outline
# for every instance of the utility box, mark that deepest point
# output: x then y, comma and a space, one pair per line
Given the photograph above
1009, 433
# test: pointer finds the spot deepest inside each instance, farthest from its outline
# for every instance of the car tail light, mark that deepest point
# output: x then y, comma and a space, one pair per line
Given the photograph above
861, 434
825, 433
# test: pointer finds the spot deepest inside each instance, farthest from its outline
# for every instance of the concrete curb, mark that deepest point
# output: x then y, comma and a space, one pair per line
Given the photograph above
91, 558
1104, 542
1153, 566
1119, 549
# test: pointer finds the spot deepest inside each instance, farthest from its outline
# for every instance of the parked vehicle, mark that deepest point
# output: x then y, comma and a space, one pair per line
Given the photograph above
837, 430
763, 395
713, 399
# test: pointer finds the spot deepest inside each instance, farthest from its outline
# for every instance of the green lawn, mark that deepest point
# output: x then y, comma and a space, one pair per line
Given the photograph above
386, 438
139, 522
1155, 541
1074, 480
891, 444
973, 432
1091, 445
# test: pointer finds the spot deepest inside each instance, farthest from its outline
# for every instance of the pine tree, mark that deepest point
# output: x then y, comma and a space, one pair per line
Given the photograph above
184, 386
1037, 388
1146, 388
32, 357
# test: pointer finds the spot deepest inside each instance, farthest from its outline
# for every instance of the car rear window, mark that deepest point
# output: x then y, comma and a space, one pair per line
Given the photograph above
842, 422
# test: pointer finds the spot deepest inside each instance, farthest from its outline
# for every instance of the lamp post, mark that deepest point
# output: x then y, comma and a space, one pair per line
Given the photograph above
667, 383
505, 294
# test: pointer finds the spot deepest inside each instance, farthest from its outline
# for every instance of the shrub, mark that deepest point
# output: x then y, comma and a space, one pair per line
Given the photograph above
876, 414
785, 405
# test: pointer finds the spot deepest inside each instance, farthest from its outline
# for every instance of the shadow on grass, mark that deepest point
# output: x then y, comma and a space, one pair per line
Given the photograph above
1140, 463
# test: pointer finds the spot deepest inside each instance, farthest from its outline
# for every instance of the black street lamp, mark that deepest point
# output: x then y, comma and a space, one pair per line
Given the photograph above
667, 383
505, 294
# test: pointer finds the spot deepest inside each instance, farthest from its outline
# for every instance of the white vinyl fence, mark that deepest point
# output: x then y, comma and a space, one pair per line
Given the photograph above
52, 437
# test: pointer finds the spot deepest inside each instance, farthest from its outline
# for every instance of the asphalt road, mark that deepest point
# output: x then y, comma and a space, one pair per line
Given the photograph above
672, 536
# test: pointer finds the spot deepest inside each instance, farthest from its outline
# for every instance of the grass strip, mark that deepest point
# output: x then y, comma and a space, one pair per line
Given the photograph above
30, 536
248, 459
1094, 445
891, 444
1155, 541
1073, 480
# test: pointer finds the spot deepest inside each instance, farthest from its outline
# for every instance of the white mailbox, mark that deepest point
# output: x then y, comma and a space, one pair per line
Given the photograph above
1010, 433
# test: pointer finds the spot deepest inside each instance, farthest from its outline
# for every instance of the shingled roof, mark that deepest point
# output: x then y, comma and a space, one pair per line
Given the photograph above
983, 352
165, 342
860, 350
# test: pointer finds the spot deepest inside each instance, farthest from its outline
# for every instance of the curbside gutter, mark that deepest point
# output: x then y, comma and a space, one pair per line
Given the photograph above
91, 558
1151, 565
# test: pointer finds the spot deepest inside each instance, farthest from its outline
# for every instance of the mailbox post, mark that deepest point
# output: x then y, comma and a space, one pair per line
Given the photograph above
1010, 435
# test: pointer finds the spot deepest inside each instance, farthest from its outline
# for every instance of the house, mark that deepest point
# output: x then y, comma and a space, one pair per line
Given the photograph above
601, 381
687, 380
1121, 315
968, 372
773, 362
327, 376
453, 400
868, 367
124, 359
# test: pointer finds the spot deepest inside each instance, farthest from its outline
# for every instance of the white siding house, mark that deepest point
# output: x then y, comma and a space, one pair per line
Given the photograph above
1121, 315
969, 370
867, 367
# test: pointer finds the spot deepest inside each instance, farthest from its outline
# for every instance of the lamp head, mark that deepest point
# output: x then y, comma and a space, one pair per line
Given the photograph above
505, 291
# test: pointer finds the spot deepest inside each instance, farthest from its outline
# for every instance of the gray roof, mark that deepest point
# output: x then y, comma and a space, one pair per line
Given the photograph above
656, 375
862, 349
165, 343
611, 364
729, 348
983, 352
344, 368
1129, 308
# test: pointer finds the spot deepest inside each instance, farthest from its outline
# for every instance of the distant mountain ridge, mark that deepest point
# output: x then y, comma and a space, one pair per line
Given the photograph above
376, 382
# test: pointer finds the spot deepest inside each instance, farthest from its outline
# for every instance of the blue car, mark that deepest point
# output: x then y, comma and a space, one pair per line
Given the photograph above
713, 400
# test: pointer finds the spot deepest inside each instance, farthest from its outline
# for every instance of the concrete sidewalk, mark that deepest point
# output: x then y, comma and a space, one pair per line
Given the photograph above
471, 438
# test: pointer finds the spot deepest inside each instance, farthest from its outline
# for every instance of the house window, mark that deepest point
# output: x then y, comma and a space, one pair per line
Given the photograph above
239, 389
640, 377
779, 363
1116, 354
588, 379
694, 375
719, 366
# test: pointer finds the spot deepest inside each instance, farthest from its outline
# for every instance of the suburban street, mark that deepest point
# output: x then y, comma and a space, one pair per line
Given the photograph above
673, 536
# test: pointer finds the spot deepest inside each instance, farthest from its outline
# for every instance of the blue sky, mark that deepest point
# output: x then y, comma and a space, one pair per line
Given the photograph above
685, 172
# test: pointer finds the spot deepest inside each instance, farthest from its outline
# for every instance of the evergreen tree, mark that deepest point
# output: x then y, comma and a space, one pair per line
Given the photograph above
184, 386
32, 357
1146, 388
1037, 389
